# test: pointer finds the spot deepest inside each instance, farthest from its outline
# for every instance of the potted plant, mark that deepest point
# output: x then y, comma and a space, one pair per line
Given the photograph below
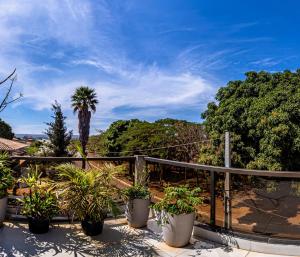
177, 214
137, 200
40, 205
89, 194
6, 181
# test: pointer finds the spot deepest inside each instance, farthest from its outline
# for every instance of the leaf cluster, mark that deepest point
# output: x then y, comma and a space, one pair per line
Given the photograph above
41, 202
136, 192
130, 137
179, 200
5, 130
6, 178
263, 114
90, 194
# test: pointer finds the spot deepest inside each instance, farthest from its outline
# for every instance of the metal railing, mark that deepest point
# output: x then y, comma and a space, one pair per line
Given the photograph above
54, 159
140, 163
227, 208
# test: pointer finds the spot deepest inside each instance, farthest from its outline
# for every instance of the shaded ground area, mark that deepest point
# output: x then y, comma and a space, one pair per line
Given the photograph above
273, 212
117, 239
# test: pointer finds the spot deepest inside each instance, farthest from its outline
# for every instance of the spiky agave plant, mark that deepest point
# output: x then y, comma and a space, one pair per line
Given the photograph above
90, 194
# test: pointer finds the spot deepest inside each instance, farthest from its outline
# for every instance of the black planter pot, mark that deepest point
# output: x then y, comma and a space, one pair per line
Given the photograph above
38, 226
91, 228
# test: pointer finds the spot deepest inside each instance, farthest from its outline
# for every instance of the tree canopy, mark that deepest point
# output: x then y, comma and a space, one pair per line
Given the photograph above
57, 132
263, 114
129, 137
5, 130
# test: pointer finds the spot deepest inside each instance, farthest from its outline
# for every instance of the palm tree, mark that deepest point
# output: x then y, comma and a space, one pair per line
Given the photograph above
84, 101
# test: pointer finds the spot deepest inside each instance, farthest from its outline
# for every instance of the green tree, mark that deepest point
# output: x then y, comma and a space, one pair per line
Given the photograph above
129, 137
263, 114
84, 101
5, 130
57, 132
113, 141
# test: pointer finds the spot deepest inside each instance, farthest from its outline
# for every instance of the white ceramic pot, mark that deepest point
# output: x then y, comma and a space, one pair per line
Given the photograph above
3, 207
137, 212
177, 229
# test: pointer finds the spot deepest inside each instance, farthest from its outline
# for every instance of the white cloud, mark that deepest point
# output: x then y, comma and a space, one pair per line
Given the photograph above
66, 21
146, 90
268, 62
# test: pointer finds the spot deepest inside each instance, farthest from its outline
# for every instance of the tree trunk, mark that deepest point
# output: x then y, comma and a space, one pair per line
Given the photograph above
84, 117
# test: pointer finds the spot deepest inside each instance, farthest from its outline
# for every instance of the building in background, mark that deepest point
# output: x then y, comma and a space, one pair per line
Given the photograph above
13, 147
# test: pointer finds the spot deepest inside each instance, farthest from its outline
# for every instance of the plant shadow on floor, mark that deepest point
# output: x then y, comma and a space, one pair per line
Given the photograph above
115, 240
271, 212
206, 248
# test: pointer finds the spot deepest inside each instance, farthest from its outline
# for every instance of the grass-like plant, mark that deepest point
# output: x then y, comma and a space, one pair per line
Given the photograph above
179, 200
6, 179
90, 194
136, 192
41, 202
40, 205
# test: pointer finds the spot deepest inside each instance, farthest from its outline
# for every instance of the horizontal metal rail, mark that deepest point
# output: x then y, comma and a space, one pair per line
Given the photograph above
264, 173
53, 159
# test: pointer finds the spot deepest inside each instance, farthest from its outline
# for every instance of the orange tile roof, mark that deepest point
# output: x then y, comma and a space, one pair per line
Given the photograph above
10, 145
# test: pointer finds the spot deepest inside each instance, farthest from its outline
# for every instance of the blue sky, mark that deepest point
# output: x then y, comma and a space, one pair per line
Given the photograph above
146, 59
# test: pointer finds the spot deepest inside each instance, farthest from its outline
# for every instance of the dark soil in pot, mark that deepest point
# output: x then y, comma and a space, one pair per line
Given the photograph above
92, 228
38, 226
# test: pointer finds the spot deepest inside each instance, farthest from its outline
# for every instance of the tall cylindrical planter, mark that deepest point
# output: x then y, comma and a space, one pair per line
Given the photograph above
177, 229
3, 207
137, 212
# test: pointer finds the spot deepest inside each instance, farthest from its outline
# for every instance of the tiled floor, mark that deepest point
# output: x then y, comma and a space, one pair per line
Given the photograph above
117, 239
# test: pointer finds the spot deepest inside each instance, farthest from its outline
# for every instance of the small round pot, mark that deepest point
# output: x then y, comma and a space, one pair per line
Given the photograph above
177, 229
3, 207
91, 228
137, 212
38, 226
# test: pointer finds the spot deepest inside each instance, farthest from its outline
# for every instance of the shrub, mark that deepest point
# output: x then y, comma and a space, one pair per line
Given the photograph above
136, 192
40, 205
179, 200
41, 202
6, 179
90, 194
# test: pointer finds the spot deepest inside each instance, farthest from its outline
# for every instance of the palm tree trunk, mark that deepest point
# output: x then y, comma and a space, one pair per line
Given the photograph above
84, 117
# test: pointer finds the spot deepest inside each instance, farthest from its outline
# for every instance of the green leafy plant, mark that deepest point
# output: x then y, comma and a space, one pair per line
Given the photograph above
90, 194
179, 200
136, 192
34, 147
262, 114
41, 202
6, 179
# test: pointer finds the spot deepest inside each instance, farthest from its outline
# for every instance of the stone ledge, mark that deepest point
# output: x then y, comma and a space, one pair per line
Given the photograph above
249, 242
261, 244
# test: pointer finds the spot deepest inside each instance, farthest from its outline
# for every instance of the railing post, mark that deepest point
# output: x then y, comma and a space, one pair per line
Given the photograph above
227, 196
83, 164
212, 199
139, 170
